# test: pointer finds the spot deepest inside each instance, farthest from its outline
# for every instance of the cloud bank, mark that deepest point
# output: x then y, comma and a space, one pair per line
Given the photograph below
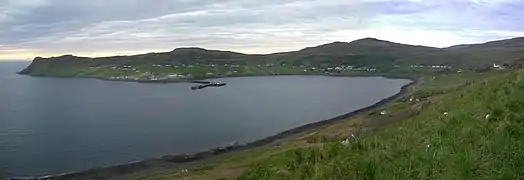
31, 28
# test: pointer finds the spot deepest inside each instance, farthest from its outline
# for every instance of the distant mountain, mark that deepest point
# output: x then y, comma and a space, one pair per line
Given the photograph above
200, 52
500, 51
369, 52
507, 43
365, 46
67, 63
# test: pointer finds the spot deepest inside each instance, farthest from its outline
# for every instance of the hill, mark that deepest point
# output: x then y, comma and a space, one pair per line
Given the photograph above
507, 43
364, 56
366, 46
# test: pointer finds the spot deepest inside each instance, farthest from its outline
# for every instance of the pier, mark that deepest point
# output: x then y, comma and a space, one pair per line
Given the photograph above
205, 84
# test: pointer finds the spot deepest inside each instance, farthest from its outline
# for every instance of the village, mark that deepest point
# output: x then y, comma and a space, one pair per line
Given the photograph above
172, 72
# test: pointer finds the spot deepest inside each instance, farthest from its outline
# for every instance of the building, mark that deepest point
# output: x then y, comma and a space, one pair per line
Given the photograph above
497, 66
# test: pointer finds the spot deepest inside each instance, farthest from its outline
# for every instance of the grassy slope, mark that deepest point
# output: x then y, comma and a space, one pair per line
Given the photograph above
273, 161
462, 145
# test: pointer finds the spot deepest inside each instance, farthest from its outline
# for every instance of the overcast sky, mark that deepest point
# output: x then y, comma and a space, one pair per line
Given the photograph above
30, 28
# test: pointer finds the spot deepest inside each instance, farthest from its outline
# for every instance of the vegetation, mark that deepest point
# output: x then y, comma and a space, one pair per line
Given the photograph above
476, 132
361, 57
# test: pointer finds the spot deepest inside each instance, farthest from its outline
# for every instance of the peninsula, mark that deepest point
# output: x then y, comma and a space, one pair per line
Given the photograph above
367, 56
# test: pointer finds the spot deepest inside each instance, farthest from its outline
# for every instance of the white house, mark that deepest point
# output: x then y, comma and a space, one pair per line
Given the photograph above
497, 66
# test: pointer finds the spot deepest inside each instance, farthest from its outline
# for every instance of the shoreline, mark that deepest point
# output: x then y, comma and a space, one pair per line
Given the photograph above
199, 80
174, 160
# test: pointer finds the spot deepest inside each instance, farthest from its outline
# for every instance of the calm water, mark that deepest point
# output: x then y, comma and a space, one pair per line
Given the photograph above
50, 125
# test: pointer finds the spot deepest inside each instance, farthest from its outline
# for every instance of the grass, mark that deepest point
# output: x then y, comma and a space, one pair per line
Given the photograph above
225, 166
202, 71
463, 144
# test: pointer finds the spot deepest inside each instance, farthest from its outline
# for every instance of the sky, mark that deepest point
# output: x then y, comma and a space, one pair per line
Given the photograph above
94, 28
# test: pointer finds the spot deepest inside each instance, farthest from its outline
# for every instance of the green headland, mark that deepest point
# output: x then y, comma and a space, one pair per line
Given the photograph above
361, 57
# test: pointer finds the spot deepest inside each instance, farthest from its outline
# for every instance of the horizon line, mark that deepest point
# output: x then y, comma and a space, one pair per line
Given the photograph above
210, 49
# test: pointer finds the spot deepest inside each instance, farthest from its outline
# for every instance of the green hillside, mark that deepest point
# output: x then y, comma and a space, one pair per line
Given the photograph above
473, 132
360, 57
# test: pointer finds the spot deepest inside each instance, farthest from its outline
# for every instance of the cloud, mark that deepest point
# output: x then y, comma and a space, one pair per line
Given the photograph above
100, 27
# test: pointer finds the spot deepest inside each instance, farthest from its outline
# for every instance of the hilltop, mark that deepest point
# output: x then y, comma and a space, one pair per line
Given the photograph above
364, 56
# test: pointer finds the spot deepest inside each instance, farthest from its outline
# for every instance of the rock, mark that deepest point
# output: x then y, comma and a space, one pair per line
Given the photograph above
179, 158
345, 142
220, 150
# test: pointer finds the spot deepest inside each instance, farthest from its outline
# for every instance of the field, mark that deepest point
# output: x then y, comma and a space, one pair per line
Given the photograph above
227, 70
455, 126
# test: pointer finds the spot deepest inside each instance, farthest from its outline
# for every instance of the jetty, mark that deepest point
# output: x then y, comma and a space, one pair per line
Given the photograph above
207, 84
167, 80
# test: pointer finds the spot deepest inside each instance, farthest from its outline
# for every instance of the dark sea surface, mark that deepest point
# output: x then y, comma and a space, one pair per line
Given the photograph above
57, 125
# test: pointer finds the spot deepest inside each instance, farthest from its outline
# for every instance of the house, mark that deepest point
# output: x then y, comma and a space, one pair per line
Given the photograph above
497, 66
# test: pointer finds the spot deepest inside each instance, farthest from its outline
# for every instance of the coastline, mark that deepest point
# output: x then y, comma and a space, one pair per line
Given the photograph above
170, 161
200, 79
